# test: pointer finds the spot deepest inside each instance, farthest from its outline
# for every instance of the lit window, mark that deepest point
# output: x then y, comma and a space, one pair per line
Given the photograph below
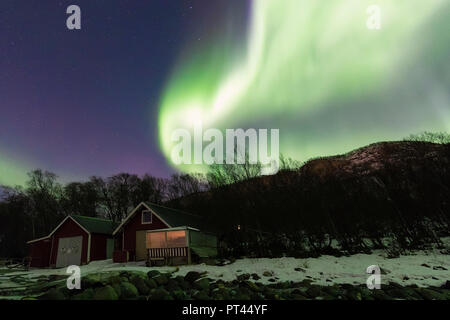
176, 239
146, 217
156, 240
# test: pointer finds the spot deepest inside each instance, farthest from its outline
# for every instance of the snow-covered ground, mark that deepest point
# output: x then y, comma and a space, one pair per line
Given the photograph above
423, 268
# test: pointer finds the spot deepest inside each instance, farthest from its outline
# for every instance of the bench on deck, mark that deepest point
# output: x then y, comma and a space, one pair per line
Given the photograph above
166, 254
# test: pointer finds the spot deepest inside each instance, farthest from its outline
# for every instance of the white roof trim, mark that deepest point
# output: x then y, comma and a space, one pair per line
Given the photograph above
39, 239
59, 225
173, 229
132, 213
62, 222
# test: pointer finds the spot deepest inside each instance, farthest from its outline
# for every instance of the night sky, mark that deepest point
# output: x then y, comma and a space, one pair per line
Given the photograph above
85, 102
102, 100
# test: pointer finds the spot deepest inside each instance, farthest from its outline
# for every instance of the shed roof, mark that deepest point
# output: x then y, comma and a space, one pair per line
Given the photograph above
96, 225
177, 218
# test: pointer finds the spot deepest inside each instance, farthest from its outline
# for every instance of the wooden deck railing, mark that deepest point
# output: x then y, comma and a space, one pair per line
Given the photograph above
166, 254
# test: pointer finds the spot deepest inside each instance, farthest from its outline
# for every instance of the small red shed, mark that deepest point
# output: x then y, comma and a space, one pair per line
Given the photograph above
76, 240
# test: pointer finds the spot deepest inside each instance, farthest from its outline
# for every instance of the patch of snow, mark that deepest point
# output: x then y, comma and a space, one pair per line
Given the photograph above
423, 268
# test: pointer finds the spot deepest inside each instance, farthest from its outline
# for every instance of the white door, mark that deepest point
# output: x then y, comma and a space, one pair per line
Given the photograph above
69, 252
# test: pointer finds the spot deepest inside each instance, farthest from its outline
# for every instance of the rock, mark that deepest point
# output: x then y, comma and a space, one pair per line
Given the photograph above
179, 295
159, 294
152, 273
128, 290
446, 285
202, 284
439, 268
429, 294
398, 293
202, 295
313, 292
300, 269
105, 293
334, 291
87, 294
161, 279
125, 274
241, 296
412, 294
395, 285
53, 294
151, 284
172, 285
380, 295
243, 277
115, 280
267, 273
191, 276
384, 271
251, 285
366, 294
182, 283
118, 289
354, 294
140, 285
255, 277
305, 283
91, 280
425, 265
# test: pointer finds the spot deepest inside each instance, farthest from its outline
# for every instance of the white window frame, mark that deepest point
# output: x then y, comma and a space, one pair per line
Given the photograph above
142, 217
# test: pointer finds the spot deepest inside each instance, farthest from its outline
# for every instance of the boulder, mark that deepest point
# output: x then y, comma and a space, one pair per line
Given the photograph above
140, 285
202, 295
128, 290
151, 284
91, 280
202, 284
313, 292
446, 285
87, 294
243, 277
118, 289
255, 277
105, 293
172, 285
161, 279
152, 273
429, 294
53, 294
191, 276
159, 294
116, 280
179, 295
251, 285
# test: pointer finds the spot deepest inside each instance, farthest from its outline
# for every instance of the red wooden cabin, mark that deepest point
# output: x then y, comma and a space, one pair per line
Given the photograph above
131, 234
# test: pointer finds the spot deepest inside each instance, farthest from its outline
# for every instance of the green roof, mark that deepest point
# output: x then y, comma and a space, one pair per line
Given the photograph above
96, 225
176, 218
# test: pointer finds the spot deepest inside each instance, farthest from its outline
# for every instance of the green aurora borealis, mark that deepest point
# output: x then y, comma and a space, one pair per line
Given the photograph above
106, 99
315, 71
